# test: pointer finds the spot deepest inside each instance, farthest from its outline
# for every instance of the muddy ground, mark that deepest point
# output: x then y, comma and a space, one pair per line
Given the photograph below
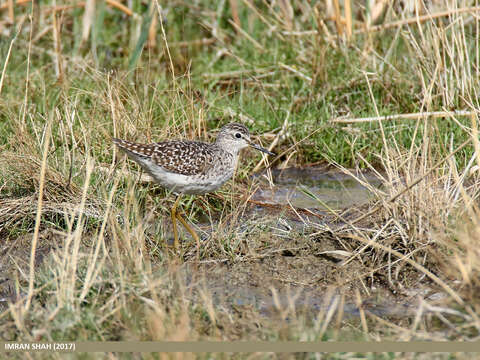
298, 268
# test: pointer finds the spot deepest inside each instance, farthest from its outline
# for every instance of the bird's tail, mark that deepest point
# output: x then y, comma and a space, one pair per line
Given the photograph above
131, 148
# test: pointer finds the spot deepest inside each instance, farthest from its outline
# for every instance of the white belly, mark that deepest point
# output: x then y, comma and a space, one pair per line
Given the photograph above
187, 184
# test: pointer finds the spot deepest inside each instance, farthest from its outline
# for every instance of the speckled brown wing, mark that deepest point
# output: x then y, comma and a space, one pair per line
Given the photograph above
183, 157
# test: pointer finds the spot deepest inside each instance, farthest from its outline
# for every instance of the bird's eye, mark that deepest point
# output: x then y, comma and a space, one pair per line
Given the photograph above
238, 135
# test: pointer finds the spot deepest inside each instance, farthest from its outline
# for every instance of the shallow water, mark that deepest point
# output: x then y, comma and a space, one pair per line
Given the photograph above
327, 188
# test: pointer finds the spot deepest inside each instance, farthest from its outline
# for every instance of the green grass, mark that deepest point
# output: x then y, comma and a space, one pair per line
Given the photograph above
342, 89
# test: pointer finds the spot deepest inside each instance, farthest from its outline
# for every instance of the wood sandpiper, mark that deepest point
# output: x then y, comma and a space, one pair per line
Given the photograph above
191, 167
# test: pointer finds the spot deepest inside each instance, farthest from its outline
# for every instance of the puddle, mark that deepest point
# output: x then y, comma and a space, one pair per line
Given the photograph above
332, 188
233, 290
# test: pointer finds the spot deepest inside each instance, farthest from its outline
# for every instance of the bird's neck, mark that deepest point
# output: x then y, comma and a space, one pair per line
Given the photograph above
227, 147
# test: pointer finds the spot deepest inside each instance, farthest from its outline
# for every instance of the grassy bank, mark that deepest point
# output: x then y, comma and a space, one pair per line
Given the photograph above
83, 236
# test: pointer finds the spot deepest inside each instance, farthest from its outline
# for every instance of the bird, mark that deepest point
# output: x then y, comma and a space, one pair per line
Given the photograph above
191, 167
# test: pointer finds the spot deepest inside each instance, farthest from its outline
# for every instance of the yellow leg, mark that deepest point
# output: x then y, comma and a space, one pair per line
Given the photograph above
190, 230
174, 215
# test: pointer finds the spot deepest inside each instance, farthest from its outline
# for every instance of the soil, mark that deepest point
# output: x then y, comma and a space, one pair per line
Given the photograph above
282, 276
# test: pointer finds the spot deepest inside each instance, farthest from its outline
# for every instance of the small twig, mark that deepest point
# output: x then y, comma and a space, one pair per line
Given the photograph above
295, 71
239, 73
205, 41
247, 36
411, 116
243, 118
272, 28
120, 7
416, 19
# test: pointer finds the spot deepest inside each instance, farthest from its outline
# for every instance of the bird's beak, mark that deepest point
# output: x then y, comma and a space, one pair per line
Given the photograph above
255, 146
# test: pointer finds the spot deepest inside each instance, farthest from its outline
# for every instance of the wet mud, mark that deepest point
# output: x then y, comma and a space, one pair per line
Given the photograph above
286, 267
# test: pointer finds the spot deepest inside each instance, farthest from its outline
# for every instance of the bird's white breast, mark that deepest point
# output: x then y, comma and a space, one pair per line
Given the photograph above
186, 184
